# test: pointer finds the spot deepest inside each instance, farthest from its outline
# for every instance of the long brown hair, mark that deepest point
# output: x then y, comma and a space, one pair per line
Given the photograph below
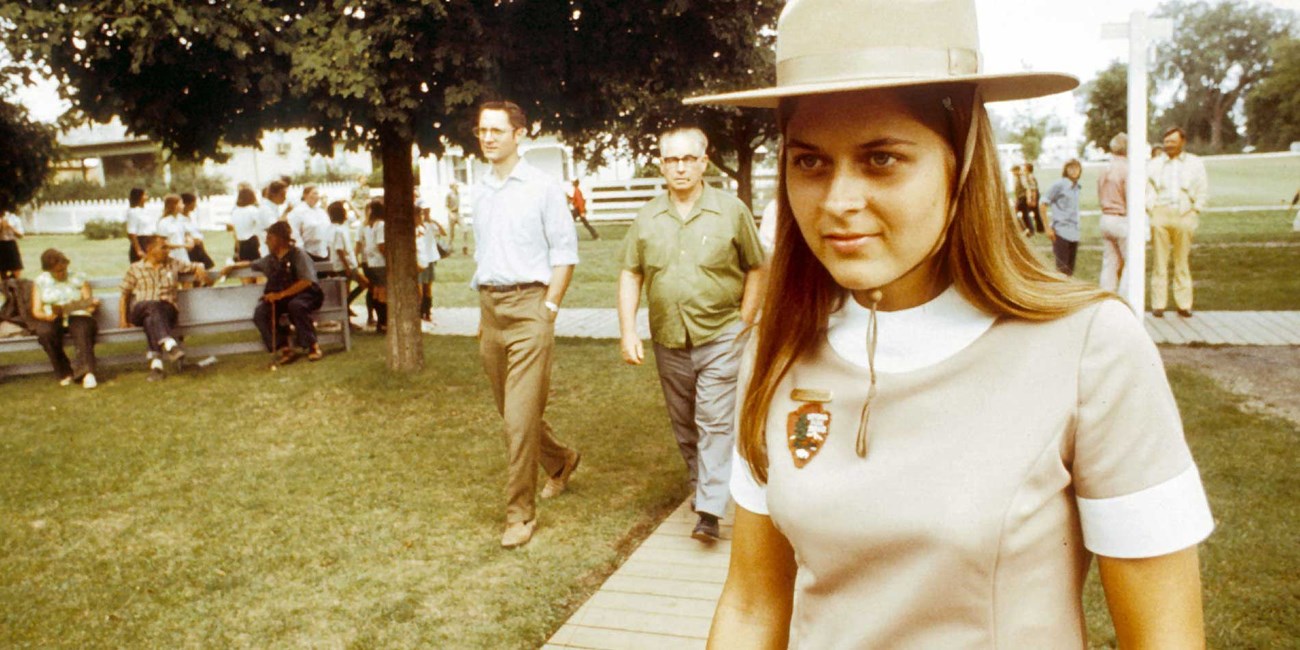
989, 262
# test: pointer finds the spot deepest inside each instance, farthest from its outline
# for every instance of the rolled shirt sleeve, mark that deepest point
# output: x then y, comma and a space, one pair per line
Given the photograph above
560, 233
631, 254
1138, 491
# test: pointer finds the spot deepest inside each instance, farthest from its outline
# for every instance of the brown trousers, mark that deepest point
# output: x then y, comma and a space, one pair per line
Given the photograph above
516, 345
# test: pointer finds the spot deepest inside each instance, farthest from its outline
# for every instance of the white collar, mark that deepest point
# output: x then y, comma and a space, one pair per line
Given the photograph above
908, 339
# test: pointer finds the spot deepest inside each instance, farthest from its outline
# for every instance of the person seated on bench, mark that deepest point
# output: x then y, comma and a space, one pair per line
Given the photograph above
62, 304
291, 289
149, 301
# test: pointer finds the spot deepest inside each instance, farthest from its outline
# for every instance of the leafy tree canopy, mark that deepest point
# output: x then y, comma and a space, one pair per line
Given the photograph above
1273, 106
1107, 105
1217, 53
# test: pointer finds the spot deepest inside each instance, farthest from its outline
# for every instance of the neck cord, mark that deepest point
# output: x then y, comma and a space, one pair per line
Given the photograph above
872, 336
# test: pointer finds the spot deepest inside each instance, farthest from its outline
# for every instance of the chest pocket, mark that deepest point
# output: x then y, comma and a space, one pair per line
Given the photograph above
716, 250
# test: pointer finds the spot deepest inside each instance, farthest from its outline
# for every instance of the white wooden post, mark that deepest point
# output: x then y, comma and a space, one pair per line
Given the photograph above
1139, 31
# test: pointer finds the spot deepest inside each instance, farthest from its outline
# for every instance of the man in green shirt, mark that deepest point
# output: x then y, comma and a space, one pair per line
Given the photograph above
697, 252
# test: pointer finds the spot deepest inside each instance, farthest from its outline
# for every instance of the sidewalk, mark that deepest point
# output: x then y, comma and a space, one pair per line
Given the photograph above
1203, 328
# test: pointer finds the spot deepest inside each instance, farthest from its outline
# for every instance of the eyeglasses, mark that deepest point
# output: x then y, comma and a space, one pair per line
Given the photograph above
674, 160
481, 133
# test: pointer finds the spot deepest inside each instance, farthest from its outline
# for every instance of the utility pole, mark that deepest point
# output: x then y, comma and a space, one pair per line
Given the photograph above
1139, 31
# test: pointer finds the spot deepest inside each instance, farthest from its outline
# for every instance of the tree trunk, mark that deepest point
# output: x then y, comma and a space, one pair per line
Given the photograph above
745, 175
405, 340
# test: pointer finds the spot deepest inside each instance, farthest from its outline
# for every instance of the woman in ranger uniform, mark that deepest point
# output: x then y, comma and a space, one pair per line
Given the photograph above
938, 434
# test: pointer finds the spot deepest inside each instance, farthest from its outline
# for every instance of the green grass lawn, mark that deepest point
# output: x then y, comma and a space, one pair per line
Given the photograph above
325, 505
335, 505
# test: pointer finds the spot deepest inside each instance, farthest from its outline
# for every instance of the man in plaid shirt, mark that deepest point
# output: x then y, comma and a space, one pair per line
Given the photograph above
149, 301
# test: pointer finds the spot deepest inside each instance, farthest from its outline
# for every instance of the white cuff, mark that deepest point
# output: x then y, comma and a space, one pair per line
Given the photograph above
1156, 521
746, 491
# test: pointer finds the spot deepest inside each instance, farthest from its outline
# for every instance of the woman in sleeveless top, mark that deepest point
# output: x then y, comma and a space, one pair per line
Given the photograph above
895, 487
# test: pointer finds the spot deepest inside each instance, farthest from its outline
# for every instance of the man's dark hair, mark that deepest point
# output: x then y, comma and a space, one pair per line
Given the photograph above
276, 187
1073, 162
136, 197
1175, 129
336, 212
281, 229
188, 199
516, 115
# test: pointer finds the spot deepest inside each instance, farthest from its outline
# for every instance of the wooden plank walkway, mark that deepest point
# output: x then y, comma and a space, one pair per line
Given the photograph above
663, 597
1203, 328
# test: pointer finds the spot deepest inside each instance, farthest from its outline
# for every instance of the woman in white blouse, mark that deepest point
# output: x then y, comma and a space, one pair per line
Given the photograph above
896, 488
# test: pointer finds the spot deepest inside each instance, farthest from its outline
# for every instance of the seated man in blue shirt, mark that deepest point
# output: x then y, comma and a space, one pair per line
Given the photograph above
1063, 222
291, 289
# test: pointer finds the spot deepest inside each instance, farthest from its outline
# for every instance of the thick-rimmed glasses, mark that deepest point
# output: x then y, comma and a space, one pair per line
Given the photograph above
673, 161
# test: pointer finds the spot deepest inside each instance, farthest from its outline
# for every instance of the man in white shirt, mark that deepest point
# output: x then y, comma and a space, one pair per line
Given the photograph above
526, 248
1177, 193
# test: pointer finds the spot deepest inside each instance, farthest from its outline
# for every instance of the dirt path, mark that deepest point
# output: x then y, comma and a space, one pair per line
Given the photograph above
1268, 376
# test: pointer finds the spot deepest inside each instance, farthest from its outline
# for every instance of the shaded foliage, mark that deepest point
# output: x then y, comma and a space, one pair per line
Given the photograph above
27, 150
1107, 105
1273, 106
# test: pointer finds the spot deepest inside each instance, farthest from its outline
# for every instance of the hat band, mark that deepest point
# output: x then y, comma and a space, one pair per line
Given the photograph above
877, 63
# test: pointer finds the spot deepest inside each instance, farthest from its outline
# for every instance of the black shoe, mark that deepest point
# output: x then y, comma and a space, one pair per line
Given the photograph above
707, 529
176, 353
156, 374
1185, 313
1158, 313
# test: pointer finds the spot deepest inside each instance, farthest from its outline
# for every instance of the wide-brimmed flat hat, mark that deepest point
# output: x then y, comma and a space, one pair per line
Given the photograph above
829, 46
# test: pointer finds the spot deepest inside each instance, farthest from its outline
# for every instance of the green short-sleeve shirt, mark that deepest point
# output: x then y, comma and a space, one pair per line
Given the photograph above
694, 268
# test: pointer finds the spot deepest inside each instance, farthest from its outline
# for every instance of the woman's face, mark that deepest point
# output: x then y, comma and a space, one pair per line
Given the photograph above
868, 183
60, 271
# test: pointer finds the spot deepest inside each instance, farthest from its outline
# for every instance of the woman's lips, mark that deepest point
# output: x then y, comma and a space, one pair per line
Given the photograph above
847, 243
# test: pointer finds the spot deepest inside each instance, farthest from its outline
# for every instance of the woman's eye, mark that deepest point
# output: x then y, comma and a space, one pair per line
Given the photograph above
881, 159
806, 162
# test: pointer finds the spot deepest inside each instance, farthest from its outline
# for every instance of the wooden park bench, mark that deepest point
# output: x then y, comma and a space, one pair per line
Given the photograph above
203, 311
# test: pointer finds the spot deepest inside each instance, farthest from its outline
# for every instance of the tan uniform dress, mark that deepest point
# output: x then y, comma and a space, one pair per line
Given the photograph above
960, 528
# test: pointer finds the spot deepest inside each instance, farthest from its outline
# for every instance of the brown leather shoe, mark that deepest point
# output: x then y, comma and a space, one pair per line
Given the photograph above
556, 484
518, 533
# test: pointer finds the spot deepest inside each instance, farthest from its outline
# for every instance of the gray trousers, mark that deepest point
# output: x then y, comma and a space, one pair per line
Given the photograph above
700, 388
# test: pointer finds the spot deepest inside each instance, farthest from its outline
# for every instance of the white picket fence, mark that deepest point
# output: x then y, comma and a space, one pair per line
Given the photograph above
213, 213
606, 201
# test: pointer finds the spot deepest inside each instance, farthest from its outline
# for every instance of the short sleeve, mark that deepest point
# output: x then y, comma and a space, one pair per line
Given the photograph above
746, 491
1138, 490
748, 244
304, 267
631, 250
557, 222
261, 265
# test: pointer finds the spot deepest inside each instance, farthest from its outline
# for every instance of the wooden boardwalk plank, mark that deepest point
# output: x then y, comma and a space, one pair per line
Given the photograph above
1161, 332
1256, 329
1276, 326
606, 639
666, 624
1222, 325
638, 568
651, 604
1286, 324
663, 587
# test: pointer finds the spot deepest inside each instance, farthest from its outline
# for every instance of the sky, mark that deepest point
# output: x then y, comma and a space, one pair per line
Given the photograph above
1015, 35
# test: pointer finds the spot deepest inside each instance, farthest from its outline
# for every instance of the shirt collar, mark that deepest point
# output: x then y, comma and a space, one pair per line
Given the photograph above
909, 339
708, 201
521, 172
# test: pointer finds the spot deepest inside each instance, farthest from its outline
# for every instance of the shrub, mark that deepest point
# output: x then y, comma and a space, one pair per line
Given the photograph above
104, 229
